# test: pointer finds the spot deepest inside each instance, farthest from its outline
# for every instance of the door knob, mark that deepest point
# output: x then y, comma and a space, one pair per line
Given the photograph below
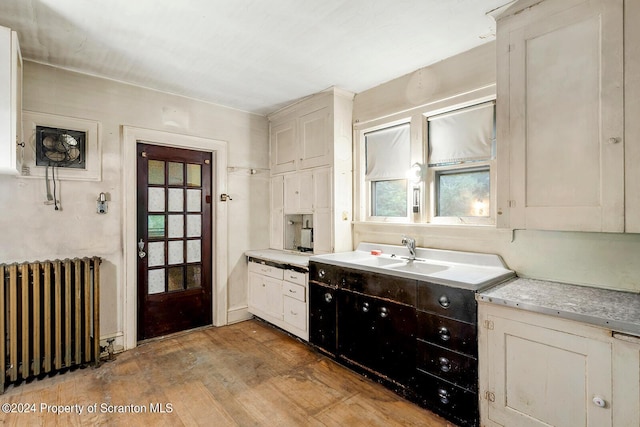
141, 252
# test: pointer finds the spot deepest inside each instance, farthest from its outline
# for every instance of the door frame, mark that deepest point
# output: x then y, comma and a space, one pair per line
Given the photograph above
130, 137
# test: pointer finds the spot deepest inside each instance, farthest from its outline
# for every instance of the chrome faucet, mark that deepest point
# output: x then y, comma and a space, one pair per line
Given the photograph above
410, 243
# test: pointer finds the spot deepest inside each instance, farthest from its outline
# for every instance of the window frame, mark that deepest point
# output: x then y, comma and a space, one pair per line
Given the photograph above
418, 119
432, 182
367, 186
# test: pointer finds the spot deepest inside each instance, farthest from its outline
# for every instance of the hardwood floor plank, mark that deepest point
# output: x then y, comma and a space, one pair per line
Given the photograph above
246, 374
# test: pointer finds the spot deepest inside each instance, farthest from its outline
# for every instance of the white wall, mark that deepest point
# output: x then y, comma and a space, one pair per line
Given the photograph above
30, 230
593, 259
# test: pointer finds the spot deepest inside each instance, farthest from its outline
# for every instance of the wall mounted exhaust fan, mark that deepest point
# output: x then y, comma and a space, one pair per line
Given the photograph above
60, 147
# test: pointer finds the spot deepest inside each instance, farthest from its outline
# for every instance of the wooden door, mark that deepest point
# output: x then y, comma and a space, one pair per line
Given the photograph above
174, 240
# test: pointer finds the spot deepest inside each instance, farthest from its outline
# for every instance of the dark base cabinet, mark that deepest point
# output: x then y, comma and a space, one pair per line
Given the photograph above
322, 317
448, 400
380, 335
417, 338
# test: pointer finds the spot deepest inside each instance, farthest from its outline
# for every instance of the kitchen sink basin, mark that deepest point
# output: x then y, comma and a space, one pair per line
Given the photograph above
417, 267
376, 261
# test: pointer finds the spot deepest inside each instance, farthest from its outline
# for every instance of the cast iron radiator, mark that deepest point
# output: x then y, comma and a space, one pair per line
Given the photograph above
50, 319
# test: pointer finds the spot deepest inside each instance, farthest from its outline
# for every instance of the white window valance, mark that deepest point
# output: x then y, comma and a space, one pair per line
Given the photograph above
462, 135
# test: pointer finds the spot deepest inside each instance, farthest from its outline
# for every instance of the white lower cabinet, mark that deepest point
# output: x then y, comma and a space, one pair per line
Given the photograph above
279, 296
626, 384
539, 370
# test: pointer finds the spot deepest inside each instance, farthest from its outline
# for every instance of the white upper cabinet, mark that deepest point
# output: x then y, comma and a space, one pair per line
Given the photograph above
315, 139
284, 151
10, 103
311, 163
560, 115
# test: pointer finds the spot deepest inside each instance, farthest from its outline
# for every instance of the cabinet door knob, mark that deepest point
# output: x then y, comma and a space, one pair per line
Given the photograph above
365, 307
445, 364
328, 297
443, 395
599, 401
444, 301
444, 334
613, 140
384, 312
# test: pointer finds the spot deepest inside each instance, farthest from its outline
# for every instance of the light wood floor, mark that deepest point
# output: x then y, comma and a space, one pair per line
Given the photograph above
247, 374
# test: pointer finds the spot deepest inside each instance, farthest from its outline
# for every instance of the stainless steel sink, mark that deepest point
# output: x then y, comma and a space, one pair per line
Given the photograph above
417, 267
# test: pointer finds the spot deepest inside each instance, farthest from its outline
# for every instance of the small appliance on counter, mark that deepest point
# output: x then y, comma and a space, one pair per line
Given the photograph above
306, 238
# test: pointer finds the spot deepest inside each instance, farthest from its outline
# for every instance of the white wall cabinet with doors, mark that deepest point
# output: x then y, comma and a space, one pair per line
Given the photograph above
279, 296
10, 103
540, 370
298, 193
311, 153
560, 115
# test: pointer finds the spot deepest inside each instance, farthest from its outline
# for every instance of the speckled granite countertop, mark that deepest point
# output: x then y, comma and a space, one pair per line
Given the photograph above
615, 310
297, 259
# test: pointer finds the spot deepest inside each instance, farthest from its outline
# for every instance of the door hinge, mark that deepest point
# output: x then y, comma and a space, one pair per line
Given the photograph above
491, 397
488, 324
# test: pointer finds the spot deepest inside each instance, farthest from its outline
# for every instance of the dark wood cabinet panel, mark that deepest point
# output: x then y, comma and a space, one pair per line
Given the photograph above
452, 402
446, 301
379, 285
377, 334
449, 333
322, 317
457, 368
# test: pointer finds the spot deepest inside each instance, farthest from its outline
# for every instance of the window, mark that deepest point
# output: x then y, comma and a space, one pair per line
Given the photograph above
463, 193
387, 161
461, 146
449, 178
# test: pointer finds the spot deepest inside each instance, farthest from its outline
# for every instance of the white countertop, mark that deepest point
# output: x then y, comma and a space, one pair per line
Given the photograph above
298, 259
615, 310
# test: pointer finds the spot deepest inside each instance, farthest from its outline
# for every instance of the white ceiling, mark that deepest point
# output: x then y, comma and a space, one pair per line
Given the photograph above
253, 55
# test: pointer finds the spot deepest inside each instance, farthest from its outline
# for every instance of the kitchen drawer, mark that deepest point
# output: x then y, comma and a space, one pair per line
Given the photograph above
457, 368
449, 400
449, 333
447, 301
295, 277
295, 313
266, 270
385, 286
294, 291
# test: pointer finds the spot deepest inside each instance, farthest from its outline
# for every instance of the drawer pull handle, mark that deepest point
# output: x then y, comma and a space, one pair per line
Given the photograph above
444, 301
445, 364
292, 291
384, 312
293, 313
328, 297
322, 273
292, 277
444, 334
365, 307
443, 395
